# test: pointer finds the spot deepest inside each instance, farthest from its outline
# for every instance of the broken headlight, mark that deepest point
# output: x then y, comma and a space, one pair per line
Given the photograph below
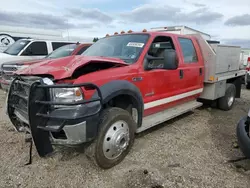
66, 95
63, 95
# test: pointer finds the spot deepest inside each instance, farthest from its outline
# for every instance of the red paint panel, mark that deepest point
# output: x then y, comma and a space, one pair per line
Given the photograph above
160, 108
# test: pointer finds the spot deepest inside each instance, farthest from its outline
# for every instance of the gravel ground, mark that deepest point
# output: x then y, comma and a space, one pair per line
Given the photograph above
190, 151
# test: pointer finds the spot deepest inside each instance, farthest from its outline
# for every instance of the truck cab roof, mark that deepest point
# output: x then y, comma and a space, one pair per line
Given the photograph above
151, 33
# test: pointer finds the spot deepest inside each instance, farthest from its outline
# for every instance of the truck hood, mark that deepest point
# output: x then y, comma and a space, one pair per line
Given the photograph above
23, 62
4, 55
64, 67
13, 59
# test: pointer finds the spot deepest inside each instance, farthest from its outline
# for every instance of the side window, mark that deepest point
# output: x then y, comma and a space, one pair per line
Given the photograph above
157, 48
82, 50
188, 50
56, 45
36, 49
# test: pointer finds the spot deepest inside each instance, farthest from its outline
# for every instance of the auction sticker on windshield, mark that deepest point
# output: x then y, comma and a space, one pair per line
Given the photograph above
135, 44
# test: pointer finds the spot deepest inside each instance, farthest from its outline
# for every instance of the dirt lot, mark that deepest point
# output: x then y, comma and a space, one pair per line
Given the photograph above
190, 151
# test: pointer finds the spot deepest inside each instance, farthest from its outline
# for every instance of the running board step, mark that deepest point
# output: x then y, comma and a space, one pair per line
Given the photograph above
160, 117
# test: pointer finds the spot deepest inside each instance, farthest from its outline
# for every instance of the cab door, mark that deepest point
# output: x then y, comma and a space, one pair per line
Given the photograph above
159, 86
191, 67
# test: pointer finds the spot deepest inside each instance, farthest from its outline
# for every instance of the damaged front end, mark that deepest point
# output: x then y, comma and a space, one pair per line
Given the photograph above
33, 108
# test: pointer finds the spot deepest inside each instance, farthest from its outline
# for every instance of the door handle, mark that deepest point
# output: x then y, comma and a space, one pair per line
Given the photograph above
181, 74
200, 71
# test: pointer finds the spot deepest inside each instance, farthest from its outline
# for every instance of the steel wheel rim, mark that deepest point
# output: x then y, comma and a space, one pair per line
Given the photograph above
116, 139
231, 99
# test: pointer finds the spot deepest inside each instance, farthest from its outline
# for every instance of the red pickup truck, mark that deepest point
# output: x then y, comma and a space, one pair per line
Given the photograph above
9, 68
122, 85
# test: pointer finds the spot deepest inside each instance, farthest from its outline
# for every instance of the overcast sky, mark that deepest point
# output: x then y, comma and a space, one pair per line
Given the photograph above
226, 20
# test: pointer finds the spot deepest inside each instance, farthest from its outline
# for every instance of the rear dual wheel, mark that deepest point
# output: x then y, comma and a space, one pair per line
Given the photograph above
115, 138
227, 101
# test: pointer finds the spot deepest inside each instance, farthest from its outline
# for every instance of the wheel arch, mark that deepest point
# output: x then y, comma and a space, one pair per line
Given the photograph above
237, 82
122, 93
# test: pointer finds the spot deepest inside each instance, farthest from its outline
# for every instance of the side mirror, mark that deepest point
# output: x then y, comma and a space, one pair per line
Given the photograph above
168, 61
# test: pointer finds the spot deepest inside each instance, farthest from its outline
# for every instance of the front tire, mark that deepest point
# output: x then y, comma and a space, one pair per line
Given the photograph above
226, 103
115, 138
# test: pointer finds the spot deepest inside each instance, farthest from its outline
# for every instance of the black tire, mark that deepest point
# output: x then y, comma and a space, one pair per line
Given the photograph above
108, 118
243, 136
248, 85
223, 102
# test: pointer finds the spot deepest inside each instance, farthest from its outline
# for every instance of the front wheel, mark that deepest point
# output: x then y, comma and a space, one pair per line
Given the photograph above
226, 102
115, 138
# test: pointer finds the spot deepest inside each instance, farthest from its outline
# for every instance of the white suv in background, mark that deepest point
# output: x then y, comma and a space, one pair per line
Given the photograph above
26, 49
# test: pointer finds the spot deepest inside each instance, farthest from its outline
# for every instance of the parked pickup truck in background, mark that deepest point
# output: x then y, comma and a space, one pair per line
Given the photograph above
9, 68
122, 85
10, 34
26, 49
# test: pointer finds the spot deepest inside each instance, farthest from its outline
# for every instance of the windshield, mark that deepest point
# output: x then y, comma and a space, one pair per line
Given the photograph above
16, 47
63, 51
126, 47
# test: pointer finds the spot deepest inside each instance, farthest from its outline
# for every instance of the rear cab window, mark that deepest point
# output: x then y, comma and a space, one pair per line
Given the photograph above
188, 50
38, 48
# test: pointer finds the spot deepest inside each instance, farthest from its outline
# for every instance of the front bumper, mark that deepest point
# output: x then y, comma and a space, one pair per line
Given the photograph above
29, 107
5, 84
6, 79
243, 136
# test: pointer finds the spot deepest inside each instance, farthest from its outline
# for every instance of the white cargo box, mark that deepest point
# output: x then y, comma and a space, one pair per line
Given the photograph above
222, 63
227, 58
182, 30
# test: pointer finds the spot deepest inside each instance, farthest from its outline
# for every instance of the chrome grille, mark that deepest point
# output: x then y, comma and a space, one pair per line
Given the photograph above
8, 71
9, 68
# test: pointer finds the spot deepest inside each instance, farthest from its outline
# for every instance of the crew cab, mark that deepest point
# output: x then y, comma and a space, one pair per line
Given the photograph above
9, 68
122, 85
